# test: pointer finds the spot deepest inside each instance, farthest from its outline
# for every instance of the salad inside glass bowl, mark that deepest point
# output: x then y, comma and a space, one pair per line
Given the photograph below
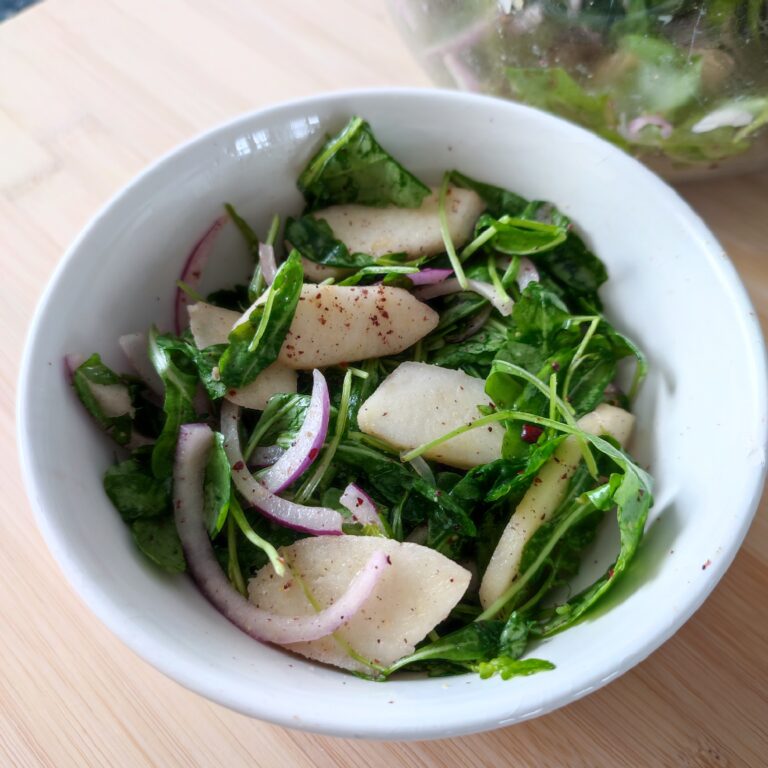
394, 446
682, 84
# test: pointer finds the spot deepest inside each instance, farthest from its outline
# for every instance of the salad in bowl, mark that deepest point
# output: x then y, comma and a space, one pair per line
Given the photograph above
391, 448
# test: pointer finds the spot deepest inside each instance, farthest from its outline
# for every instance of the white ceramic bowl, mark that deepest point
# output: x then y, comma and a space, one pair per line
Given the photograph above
701, 415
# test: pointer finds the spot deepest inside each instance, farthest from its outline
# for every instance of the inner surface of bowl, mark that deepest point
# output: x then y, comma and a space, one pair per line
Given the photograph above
671, 289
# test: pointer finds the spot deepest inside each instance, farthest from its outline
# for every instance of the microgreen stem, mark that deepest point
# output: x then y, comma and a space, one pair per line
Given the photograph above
498, 284
481, 239
565, 408
579, 354
458, 270
190, 291
233, 565
239, 516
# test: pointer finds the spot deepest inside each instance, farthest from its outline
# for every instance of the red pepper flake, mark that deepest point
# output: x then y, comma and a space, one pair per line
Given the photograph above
555, 366
359, 502
537, 480
238, 466
232, 392
313, 453
706, 565
530, 433
610, 573
389, 560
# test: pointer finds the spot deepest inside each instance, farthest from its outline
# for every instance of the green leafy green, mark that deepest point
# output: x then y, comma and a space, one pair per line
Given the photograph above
257, 284
499, 202
135, 492
520, 236
254, 345
217, 487
508, 668
478, 641
157, 538
352, 167
87, 379
313, 238
179, 378
279, 422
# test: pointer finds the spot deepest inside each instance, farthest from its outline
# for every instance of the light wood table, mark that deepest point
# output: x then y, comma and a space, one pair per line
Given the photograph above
90, 91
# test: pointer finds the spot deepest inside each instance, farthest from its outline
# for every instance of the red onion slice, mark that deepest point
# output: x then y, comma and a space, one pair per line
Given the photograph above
361, 505
527, 273
429, 276
72, 362
267, 262
311, 436
317, 520
265, 456
635, 126
193, 270
134, 346
486, 290
192, 450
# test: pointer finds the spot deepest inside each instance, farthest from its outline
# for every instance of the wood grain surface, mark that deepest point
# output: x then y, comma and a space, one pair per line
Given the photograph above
90, 91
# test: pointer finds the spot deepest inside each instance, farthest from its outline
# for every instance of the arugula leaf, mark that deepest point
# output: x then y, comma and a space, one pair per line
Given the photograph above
503, 479
478, 351
353, 168
135, 491
388, 274
521, 236
204, 360
217, 487
500, 202
279, 422
631, 493
478, 641
314, 239
158, 539
87, 380
575, 270
180, 380
235, 298
514, 637
484, 646
508, 668
255, 344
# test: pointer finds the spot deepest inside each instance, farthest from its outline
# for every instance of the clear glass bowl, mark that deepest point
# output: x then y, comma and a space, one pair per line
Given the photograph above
681, 84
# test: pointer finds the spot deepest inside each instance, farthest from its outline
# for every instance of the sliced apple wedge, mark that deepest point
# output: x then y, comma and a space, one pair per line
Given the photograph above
211, 325
417, 403
544, 496
413, 596
414, 231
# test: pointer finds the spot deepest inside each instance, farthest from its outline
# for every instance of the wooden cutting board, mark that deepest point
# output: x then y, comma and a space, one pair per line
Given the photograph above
90, 91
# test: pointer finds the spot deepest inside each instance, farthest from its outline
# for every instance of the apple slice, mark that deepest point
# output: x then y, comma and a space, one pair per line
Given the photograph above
412, 597
544, 496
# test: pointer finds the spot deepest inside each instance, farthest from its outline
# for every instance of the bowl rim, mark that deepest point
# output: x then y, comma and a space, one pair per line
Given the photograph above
149, 648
